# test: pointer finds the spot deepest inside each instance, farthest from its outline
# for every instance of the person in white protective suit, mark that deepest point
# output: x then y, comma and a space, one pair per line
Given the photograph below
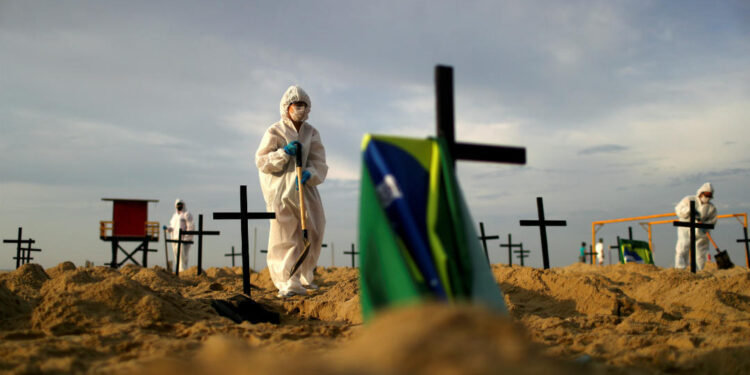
706, 214
182, 219
600, 251
275, 160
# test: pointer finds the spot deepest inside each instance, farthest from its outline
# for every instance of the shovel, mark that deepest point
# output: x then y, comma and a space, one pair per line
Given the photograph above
303, 220
721, 257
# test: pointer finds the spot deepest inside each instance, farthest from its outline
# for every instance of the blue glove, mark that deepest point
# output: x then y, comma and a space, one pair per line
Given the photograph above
291, 148
305, 176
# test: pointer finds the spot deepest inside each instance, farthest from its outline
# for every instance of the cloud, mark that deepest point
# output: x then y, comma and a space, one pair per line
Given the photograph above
603, 149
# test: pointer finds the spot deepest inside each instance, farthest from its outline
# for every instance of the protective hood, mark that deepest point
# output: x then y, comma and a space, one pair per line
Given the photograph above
184, 206
707, 187
292, 95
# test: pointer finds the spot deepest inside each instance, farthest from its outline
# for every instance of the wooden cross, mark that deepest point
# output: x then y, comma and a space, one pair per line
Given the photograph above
19, 251
693, 226
232, 254
200, 233
446, 129
522, 253
542, 224
27, 253
746, 241
179, 241
510, 247
591, 253
243, 216
484, 239
617, 246
353, 253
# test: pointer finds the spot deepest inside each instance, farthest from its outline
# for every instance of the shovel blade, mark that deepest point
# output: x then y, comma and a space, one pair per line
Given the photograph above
301, 258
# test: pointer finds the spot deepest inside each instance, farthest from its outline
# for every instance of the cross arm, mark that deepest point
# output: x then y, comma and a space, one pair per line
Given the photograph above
248, 215
178, 240
205, 232
529, 223
695, 225
496, 154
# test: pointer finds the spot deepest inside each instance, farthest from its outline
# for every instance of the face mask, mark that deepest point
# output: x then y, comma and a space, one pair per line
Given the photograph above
704, 199
298, 113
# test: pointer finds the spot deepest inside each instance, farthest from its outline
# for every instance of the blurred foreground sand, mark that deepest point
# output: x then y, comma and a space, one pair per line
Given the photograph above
576, 319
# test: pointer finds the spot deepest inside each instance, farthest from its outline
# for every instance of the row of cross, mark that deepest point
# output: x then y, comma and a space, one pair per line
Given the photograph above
23, 254
445, 130
541, 222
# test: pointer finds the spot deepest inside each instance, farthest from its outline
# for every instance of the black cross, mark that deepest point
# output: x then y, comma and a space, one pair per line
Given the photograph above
179, 241
243, 216
590, 254
200, 233
232, 254
617, 246
19, 251
484, 239
522, 253
446, 129
542, 224
510, 247
747, 251
353, 253
693, 226
26, 253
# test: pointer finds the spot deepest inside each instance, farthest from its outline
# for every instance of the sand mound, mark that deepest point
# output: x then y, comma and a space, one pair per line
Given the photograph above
432, 339
60, 269
88, 298
340, 301
12, 308
634, 315
25, 281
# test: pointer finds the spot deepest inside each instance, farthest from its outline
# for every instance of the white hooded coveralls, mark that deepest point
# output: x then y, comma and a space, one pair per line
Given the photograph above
277, 180
707, 214
181, 220
600, 252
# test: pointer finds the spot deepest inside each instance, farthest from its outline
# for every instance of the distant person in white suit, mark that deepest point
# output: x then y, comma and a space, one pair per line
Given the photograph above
182, 219
706, 214
600, 251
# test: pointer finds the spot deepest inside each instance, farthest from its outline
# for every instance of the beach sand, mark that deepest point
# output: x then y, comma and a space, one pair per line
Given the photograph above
575, 319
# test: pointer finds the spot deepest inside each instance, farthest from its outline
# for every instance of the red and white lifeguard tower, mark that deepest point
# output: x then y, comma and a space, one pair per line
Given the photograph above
129, 224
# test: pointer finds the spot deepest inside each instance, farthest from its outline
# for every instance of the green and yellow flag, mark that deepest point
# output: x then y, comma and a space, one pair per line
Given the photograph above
633, 251
416, 236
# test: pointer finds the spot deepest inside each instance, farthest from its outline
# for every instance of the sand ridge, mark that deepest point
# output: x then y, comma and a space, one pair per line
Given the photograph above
576, 319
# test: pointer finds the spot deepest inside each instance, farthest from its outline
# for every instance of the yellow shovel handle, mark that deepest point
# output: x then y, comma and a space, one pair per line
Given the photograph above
301, 199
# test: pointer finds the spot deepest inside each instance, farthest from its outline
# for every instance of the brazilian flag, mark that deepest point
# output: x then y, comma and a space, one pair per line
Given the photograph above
416, 237
632, 251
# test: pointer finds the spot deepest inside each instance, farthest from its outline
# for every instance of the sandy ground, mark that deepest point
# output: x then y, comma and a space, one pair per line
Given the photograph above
578, 319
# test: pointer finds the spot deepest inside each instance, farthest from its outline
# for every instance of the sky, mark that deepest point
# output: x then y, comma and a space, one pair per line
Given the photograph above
624, 107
